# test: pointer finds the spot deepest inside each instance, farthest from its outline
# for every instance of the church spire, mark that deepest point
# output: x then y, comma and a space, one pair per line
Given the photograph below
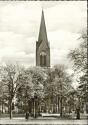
42, 46
42, 32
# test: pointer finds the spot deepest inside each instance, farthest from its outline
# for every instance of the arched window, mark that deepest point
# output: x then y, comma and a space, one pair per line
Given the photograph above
42, 59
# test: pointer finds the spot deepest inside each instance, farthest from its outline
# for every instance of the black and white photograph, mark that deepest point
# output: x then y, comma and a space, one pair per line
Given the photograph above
43, 62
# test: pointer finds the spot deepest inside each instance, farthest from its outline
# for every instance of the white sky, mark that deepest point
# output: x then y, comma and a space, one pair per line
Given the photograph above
20, 23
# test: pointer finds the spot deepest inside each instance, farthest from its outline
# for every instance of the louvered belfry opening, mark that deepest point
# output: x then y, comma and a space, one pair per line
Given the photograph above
43, 60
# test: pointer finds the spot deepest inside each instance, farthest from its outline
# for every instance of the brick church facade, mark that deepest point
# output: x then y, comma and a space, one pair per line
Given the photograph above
42, 46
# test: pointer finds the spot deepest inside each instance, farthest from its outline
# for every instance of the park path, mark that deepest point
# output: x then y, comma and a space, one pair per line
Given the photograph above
22, 121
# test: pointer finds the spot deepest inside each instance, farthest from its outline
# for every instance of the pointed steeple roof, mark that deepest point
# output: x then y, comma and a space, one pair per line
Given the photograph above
42, 32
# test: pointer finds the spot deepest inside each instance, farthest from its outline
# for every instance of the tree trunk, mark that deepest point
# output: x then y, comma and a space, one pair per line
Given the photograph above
34, 109
58, 104
2, 106
10, 112
61, 106
8, 108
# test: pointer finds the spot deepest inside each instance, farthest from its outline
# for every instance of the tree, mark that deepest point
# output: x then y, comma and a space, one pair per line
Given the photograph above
63, 83
1, 96
39, 76
25, 92
80, 66
72, 99
57, 86
32, 91
11, 82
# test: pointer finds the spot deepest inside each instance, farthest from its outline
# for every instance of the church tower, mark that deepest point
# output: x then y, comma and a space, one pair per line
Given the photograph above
42, 46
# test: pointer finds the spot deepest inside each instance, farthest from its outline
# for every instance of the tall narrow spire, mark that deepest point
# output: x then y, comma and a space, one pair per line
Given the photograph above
42, 32
42, 46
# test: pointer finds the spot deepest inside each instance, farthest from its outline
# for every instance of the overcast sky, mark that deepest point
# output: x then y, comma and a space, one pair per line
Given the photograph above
20, 23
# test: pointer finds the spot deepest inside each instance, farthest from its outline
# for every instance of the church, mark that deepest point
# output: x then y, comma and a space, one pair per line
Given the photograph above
42, 46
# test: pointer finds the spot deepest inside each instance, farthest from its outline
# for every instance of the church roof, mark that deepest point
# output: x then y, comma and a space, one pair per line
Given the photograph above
42, 32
